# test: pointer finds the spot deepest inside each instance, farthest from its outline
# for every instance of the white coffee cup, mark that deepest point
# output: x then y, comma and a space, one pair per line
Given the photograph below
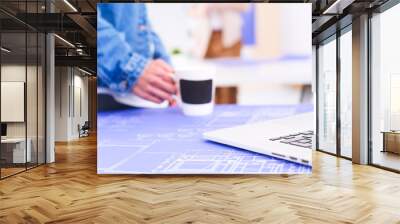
196, 89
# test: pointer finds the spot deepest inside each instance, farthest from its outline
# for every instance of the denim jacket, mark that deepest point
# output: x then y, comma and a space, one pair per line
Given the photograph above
125, 44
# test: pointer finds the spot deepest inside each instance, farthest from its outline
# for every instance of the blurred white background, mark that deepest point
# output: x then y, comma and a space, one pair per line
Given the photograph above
262, 51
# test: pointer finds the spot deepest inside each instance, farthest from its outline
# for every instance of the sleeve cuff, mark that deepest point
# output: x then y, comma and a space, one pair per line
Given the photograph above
133, 68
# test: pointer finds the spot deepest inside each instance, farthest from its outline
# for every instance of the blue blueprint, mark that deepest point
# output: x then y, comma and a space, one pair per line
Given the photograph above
164, 141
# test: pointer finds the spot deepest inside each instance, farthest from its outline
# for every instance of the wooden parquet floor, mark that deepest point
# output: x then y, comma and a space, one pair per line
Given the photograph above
70, 191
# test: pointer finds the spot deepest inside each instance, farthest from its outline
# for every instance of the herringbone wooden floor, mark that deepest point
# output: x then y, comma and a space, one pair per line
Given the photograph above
70, 191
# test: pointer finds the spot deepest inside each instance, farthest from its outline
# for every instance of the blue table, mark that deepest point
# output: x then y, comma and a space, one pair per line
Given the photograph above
164, 141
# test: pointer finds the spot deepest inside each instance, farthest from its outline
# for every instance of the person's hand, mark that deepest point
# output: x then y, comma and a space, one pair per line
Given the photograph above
156, 83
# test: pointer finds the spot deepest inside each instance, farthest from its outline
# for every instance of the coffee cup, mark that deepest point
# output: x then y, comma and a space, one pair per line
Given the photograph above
196, 89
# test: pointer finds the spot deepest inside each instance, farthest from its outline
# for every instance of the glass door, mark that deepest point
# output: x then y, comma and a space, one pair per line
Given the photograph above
22, 101
14, 154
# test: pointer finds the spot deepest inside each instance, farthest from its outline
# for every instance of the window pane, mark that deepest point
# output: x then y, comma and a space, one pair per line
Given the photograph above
385, 83
346, 94
327, 97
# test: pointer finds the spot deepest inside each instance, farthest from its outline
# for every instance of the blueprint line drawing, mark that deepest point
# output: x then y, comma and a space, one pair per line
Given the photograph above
164, 141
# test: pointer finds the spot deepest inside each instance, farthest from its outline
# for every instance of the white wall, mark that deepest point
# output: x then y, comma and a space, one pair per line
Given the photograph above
34, 126
61, 86
171, 23
17, 73
80, 103
82, 82
70, 83
12, 73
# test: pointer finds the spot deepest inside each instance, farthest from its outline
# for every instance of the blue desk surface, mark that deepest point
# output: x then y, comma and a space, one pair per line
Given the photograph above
164, 141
